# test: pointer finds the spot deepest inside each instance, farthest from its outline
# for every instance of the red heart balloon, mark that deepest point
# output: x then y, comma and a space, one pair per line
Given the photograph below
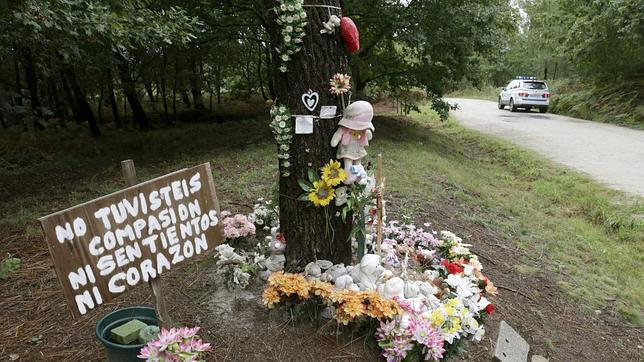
350, 35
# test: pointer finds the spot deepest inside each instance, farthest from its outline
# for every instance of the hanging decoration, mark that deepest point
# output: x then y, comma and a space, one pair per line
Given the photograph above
350, 35
291, 17
303, 124
352, 137
310, 100
330, 26
282, 128
328, 112
340, 85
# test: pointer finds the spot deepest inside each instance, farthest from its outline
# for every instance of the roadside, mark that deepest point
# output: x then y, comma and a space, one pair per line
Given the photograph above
615, 104
607, 153
555, 263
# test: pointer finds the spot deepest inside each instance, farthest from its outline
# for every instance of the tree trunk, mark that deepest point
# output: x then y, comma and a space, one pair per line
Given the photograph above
83, 109
57, 107
218, 82
16, 65
195, 82
130, 92
311, 232
110, 94
148, 89
99, 110
166, 117
32, 85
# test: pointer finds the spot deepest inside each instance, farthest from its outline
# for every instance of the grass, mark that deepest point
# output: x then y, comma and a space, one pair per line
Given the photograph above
589, 236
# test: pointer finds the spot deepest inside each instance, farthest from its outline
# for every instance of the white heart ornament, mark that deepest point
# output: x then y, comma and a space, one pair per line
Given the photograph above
310, 100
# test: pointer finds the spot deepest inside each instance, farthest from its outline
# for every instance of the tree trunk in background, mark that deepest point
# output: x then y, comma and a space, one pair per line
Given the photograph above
259, 73
130, 92
110, 94
357, 81
311, 232
218, 82
16, 65
99, 110
58, 108
32, 85
148, 89
83, 109
195, 83
166, 117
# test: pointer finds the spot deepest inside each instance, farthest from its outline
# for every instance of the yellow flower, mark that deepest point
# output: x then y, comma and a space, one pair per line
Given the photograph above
437, 318
322, 193
333, 174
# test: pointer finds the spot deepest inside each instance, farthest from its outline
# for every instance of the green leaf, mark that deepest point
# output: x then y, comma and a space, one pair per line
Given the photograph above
303, 197
305, 185
313, 176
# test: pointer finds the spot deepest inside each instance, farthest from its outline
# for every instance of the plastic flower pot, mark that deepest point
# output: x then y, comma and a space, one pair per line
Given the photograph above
120, 352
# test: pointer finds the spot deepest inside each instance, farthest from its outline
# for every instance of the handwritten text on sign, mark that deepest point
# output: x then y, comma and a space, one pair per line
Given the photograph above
102, 247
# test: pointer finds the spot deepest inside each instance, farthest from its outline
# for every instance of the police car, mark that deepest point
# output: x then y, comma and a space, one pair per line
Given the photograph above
525, 92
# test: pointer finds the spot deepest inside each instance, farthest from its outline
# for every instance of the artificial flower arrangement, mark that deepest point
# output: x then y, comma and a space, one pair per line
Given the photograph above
175, 344
349, 305
282, 128
357, 198
291, 17
341, 85
265, 213
236, 226
431, 284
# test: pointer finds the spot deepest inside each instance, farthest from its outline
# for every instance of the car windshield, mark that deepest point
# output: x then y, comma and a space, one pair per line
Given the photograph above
534, 85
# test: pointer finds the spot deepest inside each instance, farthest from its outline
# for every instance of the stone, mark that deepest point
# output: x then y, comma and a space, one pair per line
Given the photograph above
510, 346
537, 358
128, 332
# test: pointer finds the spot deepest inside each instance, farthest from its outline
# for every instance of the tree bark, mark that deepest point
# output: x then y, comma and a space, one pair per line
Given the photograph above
130, 92
32, 85
16, 65
166, 117
195, 82
83, 109
110, 94
311, 232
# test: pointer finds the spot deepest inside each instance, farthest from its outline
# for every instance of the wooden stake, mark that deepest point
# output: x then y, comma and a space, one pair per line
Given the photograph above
129, 174
380, 187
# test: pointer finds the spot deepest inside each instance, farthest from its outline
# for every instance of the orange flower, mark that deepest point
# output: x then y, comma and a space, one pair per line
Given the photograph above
322, 289
270, 296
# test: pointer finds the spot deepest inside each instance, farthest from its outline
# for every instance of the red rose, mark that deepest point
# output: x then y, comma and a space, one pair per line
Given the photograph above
452, 268
489, 309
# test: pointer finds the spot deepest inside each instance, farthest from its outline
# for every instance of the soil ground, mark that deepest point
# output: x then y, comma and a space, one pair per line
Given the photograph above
37, 325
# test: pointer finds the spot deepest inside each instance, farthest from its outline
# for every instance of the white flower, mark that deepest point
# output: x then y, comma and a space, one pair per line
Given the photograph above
286, 164
285, 58
290, 8
283, 69
287, 39
288, 29
282, 124
289, 19
282, 109
463, 285
283, 7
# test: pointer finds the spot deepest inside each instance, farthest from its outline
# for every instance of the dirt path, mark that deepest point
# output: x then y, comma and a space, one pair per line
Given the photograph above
610, 154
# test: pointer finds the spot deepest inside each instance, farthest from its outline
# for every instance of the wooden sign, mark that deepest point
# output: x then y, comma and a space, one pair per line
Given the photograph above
103, 247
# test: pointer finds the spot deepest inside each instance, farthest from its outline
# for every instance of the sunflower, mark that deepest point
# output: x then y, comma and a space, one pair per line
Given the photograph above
333, 174
321, 194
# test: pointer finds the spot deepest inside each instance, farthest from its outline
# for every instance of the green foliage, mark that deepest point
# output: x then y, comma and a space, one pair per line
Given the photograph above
423, 44
9, 265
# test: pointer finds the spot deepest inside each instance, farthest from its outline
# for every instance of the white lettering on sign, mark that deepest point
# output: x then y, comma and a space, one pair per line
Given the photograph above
105, 246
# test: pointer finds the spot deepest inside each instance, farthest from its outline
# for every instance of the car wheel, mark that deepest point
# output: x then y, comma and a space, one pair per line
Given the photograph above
501, 106
513, 108
543, 109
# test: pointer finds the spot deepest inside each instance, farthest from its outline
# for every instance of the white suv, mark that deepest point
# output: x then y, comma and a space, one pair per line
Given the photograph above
526, 93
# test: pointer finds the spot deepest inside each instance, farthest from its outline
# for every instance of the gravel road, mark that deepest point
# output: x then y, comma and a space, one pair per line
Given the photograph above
610, 154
